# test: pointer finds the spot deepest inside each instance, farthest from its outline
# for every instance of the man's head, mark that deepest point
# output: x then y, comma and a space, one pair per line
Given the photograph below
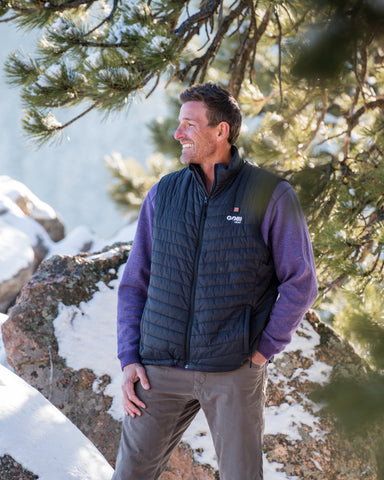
221, 106
209, 123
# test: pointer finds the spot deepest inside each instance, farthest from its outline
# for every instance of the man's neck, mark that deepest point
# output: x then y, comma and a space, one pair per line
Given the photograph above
209, 169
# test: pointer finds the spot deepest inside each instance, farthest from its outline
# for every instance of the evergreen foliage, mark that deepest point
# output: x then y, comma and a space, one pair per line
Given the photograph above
310, 79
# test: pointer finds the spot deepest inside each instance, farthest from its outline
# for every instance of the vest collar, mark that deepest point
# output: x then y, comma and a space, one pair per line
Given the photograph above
224, 174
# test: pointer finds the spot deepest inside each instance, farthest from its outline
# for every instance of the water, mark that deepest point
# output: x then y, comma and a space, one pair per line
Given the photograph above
72, 177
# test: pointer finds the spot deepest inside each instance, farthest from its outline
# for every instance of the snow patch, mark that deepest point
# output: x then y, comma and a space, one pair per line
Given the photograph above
55, 448
16, 252
85, 331
3, 356
15, 190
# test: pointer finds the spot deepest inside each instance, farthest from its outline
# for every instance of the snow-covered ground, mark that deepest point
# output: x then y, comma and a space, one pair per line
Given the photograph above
35, 433
72, 329
41, 438
82, 350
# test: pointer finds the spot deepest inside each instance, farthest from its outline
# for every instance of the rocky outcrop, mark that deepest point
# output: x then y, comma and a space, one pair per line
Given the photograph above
301, 439
28, 227
12, 470
312, 447
32, 348
10, 287
33, 207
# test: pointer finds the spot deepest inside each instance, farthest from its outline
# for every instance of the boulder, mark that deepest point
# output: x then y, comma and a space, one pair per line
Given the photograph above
32, 349
310, 446
24, 224
59, 337
33, 207
17, 263
9, 469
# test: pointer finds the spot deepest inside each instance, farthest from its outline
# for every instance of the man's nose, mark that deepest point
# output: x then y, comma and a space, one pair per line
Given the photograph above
179, 133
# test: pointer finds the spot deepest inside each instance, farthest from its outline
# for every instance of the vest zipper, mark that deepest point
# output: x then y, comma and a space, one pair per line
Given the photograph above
193, 291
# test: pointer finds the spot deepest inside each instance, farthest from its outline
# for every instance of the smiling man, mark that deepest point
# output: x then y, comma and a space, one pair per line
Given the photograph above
220, 275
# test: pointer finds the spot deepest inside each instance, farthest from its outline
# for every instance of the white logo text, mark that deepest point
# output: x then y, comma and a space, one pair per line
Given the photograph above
234, 219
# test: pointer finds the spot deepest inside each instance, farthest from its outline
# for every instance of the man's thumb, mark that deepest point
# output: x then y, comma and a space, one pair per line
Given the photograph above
144, 380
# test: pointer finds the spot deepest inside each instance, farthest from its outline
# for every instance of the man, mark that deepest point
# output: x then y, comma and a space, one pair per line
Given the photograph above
220, 274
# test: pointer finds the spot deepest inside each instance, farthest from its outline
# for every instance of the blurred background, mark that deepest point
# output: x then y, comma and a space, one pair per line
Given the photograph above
56, 173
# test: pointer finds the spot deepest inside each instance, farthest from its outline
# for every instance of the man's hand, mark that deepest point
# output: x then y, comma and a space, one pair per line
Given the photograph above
132, 373
258, 358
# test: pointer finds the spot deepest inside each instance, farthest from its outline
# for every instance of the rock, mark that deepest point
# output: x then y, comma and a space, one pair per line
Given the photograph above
17, 263
301, 439
32, 207
32, 350
24, 242
311, 447
10, 469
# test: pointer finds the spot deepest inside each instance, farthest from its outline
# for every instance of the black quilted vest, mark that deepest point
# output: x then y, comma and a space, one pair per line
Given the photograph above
212, 283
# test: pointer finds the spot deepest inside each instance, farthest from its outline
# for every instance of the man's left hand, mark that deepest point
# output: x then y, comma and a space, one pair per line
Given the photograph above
258, 358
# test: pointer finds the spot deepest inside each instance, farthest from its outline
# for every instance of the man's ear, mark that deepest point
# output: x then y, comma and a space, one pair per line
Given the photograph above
223, 131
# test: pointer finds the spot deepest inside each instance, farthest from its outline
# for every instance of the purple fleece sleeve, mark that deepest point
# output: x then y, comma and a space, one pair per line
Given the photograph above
285, 232
132, 293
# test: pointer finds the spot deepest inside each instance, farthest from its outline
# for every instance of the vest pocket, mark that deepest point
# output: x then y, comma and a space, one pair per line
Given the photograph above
246, 329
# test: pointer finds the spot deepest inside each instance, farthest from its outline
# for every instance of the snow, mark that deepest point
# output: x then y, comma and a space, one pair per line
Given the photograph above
109, 73
15, 252
3, 358
20, 232
15, 190
94, 60
55, 448
50, 122
85, 330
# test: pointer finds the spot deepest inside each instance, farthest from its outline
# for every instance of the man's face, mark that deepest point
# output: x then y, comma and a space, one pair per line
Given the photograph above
197, 137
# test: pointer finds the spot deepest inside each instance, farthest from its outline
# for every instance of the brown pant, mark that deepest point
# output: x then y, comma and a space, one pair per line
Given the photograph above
233, 403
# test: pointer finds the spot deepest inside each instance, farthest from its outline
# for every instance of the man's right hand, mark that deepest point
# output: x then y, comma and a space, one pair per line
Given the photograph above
132, 373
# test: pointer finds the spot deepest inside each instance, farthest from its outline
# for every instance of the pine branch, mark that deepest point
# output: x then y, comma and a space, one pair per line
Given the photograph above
73, 120
45, 128
319, 122
239, 63
60, 7
353, 119
109, 18
201, 63
280, 54
197, 19
10, 19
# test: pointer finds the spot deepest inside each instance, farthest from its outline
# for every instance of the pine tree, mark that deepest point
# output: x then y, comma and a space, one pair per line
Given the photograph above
310, 79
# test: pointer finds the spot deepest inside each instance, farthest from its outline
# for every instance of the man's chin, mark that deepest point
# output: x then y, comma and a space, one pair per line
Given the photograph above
185, 159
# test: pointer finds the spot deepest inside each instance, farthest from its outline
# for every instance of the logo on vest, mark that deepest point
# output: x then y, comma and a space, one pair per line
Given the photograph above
234, 219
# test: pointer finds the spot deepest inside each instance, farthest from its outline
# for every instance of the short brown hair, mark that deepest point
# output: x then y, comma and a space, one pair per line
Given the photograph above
221, 106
